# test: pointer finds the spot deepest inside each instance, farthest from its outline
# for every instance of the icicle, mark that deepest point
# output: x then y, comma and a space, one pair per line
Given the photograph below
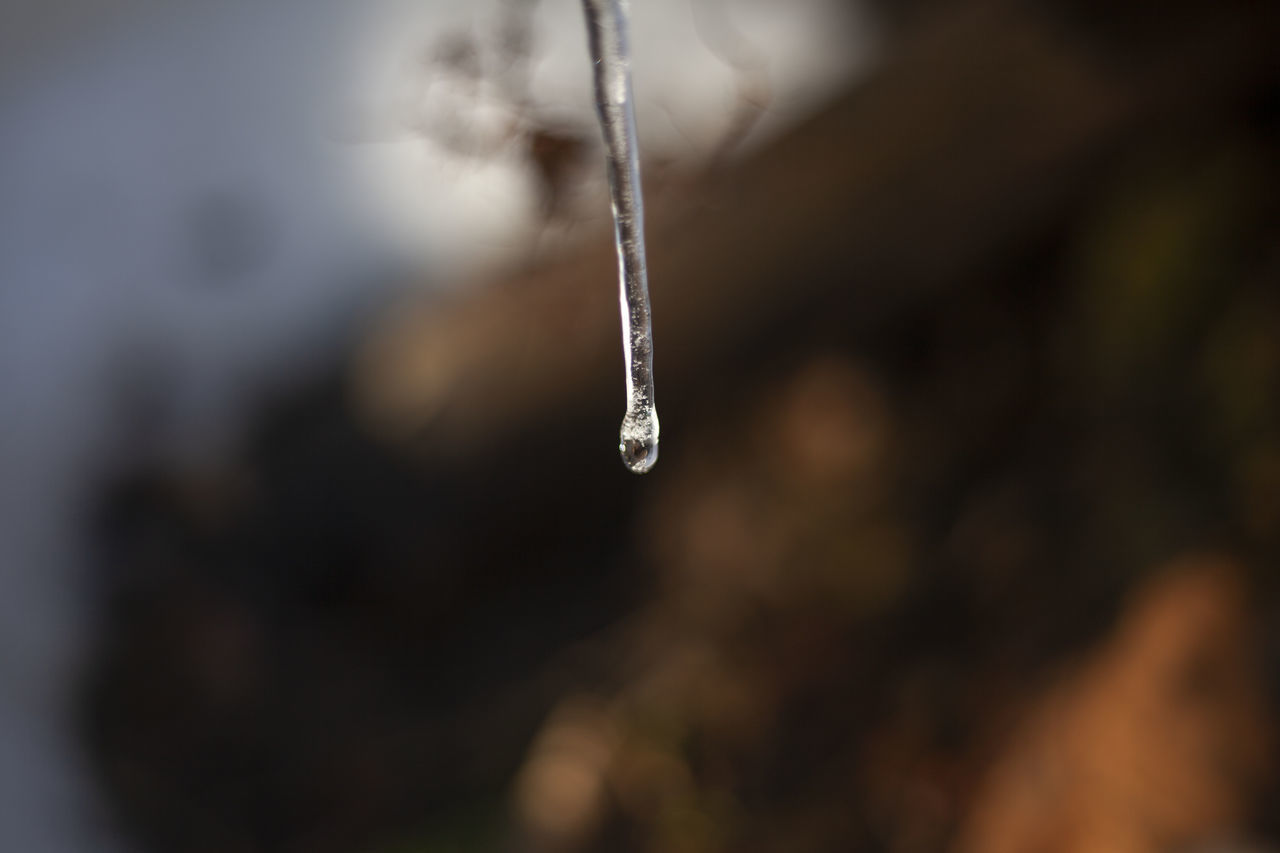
607, 38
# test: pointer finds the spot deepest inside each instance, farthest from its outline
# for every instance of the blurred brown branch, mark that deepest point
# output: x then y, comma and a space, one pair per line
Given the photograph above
984, 124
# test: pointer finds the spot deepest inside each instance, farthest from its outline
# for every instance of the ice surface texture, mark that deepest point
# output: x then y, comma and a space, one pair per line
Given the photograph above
610, 56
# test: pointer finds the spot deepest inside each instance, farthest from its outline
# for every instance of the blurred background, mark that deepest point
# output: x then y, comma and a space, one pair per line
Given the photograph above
313, 532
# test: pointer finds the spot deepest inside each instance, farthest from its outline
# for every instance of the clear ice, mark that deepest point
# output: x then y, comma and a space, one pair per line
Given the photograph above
607, 38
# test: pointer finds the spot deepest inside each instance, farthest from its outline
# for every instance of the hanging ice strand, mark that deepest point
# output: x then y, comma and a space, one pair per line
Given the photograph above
607, 38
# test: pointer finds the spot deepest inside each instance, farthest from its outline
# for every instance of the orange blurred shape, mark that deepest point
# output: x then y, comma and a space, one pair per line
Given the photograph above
560, 793
1158, 741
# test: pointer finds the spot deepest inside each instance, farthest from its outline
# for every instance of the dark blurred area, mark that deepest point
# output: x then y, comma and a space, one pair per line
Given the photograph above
964, 536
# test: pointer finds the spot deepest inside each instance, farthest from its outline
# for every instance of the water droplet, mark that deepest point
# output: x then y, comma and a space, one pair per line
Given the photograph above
611, 66
639, 455
638, 441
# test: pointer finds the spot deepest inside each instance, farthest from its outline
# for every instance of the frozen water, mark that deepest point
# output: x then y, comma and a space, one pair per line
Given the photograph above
611, 64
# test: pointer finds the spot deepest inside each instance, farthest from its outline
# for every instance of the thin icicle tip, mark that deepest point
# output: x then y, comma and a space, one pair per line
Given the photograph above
607, 39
